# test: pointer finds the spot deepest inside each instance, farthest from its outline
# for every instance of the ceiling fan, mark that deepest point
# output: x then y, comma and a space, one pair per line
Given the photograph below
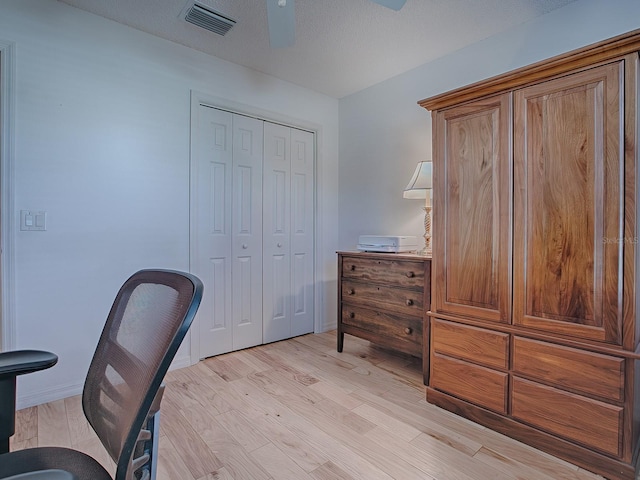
281, 18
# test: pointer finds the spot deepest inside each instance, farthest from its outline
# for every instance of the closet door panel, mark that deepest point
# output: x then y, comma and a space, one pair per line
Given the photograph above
247, 231
302, 231
567, 205
471, 213
212, 160
277, 313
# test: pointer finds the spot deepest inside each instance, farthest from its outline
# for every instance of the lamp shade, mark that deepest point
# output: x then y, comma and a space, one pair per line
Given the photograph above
420, 182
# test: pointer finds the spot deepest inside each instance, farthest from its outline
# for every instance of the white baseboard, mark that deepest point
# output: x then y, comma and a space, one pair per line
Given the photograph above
49, 395
325, 327
58, 393
180, 362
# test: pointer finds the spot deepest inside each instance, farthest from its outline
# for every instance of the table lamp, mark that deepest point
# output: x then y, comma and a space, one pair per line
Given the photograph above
420, 187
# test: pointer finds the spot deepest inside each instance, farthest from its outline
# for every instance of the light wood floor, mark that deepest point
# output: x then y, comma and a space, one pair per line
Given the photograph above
299, 410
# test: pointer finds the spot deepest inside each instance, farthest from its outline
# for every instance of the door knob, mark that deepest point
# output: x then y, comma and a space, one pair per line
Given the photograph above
279, 244
245, 246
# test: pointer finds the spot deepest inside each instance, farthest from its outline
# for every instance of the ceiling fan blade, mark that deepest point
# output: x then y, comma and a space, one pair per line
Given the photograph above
282, 22
392, 4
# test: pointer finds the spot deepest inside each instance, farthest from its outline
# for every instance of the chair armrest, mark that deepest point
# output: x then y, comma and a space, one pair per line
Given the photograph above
20, 362
12, 364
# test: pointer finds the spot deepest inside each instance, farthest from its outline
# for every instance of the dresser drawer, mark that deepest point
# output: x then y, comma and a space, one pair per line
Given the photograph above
401, 273
578, 370
478, 345
583, 420
385, 326
402, 300
476, 384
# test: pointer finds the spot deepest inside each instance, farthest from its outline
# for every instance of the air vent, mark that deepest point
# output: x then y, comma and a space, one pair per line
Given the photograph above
208, 19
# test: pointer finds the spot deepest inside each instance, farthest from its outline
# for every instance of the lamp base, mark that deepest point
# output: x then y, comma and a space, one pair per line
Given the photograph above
426, 251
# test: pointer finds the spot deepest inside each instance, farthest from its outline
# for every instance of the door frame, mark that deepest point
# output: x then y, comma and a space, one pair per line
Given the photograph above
7, 151
200, 98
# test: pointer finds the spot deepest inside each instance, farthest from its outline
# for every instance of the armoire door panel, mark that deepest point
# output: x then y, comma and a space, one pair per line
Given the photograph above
472, 211
567, 206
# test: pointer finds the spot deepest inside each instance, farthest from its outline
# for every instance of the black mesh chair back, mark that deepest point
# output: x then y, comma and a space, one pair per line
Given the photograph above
146, 325
149, 319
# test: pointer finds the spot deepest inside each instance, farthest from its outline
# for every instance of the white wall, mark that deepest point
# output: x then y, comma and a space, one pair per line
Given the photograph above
102, 117
102, 144
384, 133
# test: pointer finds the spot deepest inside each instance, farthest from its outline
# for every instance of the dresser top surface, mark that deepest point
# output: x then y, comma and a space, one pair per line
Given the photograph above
391, 256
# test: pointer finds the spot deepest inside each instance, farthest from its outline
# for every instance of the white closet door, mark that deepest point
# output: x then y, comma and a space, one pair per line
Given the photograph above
227, 230
211, 233
277, 228
302, 233
247, 232
252, 238
288, 232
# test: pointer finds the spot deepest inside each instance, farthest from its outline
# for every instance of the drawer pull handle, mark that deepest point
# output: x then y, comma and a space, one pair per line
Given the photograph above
353, 267
409, 302
352, 315
352, 291
408, 331
411, 274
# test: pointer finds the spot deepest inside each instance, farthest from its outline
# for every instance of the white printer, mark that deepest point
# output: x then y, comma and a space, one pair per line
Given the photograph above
387, 243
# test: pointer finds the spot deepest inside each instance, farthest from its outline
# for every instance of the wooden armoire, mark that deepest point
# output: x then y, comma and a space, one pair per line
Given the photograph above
533, 328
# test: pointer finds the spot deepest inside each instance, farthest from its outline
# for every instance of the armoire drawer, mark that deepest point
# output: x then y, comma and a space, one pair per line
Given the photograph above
385, 324
409, 302
478, 345
586, 372
480, 385
583, 420
408, 274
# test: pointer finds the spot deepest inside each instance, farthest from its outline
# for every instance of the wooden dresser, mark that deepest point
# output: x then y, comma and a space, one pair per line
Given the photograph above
383, 298
534, 329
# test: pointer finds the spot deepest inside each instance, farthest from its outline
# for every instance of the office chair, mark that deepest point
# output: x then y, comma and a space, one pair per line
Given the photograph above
123, 389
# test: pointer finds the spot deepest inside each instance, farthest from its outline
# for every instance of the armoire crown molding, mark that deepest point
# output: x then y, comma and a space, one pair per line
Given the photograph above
574, 60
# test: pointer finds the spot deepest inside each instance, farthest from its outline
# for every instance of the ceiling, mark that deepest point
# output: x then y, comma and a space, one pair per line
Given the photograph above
342, 46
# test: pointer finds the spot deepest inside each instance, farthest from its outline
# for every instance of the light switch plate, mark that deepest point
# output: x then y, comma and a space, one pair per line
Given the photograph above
31, 220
